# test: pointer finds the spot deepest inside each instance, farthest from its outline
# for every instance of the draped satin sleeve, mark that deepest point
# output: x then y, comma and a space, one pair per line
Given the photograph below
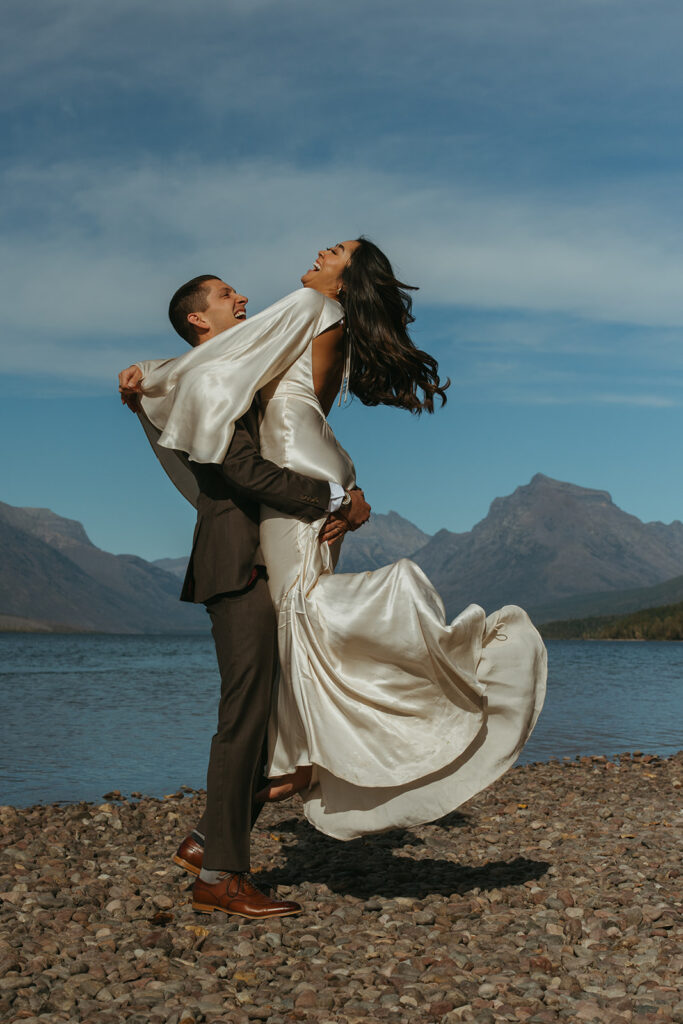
148, 366
193, 401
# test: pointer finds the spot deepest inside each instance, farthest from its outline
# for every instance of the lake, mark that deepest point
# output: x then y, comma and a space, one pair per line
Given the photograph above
82, 715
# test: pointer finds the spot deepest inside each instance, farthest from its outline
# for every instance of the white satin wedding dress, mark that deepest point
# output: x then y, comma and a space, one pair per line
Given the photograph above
402, 715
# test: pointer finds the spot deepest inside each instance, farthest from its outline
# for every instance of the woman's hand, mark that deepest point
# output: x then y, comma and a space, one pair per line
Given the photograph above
349, 518
335, 527
129, 387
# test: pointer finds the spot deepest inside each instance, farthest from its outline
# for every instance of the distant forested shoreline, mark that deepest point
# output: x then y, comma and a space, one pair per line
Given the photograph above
663, 623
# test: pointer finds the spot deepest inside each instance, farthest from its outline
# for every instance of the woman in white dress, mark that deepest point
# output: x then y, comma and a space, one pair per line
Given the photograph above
386, 714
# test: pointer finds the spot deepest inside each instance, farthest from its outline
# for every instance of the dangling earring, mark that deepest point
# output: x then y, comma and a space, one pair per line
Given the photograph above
344, 391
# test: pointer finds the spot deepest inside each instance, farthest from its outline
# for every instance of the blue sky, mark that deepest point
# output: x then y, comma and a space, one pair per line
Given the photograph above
521, 163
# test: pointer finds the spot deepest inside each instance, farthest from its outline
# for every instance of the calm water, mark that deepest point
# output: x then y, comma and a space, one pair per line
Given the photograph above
82, 715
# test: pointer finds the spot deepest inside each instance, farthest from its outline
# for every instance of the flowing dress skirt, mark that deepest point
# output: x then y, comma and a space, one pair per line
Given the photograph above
403, 715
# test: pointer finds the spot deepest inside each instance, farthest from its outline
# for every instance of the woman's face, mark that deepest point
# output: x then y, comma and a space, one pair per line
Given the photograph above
325, 274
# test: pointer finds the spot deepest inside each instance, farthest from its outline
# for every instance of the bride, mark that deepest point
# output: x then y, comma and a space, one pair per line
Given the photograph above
386, 715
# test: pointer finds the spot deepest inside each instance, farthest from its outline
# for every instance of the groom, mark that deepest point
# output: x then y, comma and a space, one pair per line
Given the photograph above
226, 575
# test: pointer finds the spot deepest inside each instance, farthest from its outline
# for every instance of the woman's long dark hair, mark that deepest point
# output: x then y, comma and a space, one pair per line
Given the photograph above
386, 367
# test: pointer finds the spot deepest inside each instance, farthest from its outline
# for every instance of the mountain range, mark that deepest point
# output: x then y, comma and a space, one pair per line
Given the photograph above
550, 542
559, 550
382, 540
53, 575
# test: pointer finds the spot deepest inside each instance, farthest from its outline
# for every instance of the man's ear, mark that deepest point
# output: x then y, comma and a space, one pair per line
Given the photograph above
197, 321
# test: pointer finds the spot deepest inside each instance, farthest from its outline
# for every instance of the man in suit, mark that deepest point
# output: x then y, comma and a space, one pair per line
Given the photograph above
225, 574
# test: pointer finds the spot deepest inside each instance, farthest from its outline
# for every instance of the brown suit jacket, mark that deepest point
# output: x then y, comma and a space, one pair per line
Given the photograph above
226, 537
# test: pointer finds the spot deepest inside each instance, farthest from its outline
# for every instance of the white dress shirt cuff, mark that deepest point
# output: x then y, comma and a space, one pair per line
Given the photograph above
337, 492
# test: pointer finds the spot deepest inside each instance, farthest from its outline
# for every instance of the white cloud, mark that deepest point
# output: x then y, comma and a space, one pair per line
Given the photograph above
93, 252
584, 397
94, 248
652, 401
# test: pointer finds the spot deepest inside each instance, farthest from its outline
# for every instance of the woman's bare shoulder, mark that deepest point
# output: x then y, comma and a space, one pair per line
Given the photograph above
329, 340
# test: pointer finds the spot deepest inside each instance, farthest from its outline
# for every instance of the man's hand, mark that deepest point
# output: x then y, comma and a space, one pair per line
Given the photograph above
129, 387
334, 528
348, 518
358, 512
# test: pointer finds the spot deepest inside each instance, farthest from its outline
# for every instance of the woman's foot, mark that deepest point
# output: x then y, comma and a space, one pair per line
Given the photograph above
285, 786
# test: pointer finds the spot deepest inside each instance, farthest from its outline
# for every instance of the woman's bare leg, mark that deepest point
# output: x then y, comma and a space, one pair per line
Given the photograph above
285, 786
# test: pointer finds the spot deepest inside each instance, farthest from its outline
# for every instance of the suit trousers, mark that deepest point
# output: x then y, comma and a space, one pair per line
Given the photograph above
245, 633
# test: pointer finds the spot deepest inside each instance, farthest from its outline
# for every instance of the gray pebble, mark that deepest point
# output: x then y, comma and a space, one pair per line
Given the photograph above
552, 912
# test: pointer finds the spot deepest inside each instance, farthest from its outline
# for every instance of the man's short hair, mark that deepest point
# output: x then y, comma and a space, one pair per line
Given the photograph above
190, 298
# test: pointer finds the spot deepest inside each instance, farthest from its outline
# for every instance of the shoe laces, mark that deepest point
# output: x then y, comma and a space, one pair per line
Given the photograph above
246, 886
240, 883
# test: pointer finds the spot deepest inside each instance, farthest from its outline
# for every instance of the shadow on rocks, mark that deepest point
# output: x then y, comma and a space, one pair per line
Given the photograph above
369, 867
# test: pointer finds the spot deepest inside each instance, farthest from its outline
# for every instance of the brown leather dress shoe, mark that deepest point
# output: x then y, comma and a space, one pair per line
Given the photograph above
189, 855
236, 894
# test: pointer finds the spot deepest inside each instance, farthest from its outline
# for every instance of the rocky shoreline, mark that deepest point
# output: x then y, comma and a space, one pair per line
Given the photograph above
553, 896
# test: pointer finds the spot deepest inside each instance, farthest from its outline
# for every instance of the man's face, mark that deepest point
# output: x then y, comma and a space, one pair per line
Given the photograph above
225, 309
